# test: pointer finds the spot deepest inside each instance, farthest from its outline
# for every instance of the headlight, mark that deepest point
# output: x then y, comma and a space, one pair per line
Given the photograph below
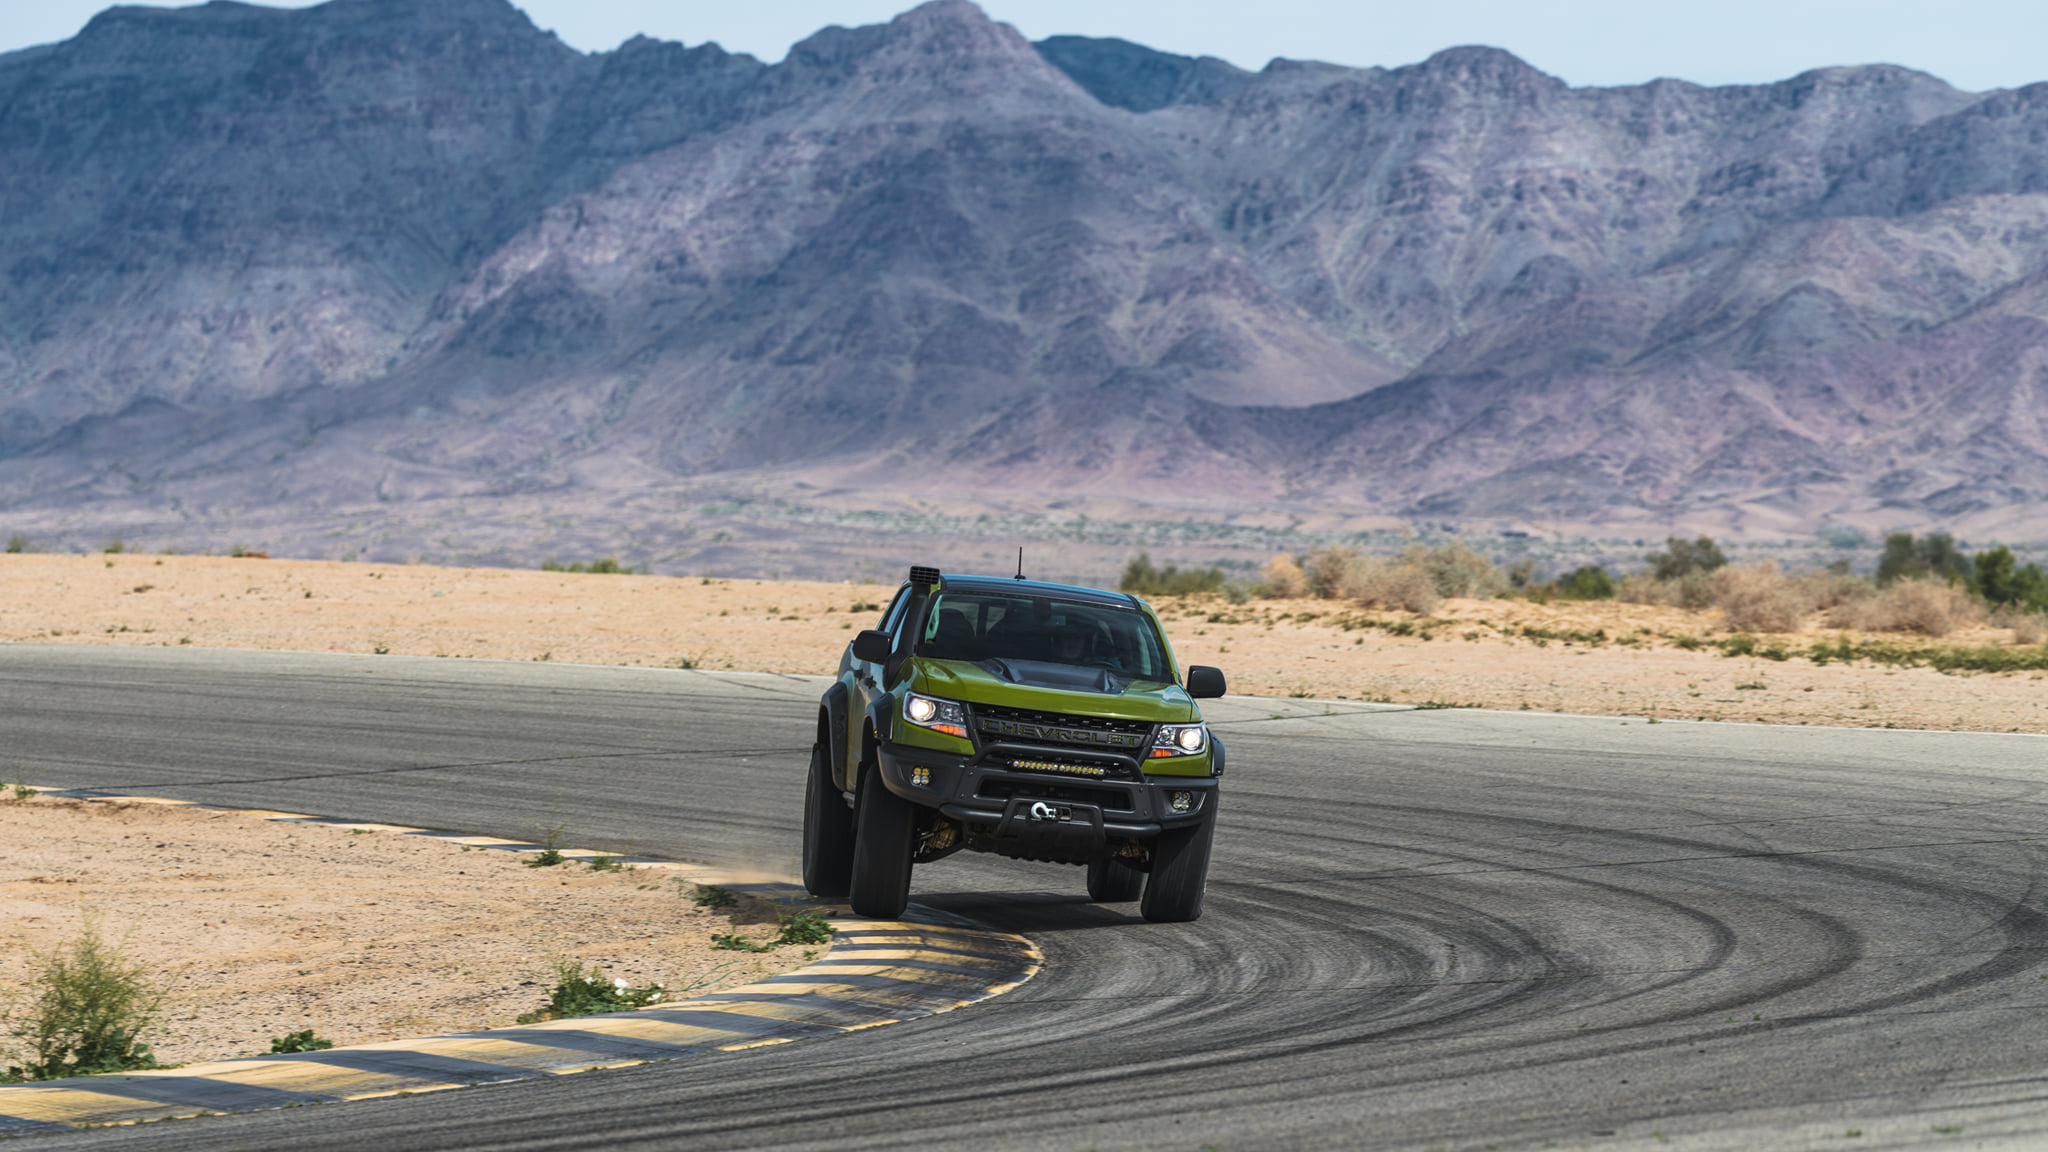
937, 715
1180, 740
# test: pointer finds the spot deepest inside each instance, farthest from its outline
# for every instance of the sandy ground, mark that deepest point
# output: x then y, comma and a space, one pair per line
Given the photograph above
1470, 652
255, 928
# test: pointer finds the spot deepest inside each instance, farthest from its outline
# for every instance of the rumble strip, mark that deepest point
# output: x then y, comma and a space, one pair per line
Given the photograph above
876, 972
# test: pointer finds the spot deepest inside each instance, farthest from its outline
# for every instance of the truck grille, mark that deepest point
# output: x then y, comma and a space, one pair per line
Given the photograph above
1096, 732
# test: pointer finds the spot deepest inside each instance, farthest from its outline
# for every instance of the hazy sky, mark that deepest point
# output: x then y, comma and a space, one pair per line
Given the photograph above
1974, 44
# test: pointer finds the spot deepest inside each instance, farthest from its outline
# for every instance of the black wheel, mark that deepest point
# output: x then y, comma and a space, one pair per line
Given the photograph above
883, 838
1180, 872
828, 832
1114, 882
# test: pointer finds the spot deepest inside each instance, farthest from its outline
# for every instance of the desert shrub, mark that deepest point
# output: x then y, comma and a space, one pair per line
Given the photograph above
1336, 573
1927, 606
1831, 586
17, 543
1683, 557
2002, 581
1587, 582
86, 1005
1694, 590
2029, 629
1141, 578
1403, 583
607, 566
1458, 571
1761, 599
1283, 579
1933, 555
1642, 588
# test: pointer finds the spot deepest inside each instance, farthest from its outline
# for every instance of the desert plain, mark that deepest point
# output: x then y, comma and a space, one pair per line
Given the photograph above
1598, 658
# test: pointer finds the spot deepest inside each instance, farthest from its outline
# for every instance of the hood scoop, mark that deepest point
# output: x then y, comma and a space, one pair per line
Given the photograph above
1065, 677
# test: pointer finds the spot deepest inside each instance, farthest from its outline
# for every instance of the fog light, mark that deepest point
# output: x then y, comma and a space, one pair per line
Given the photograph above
920, 777
1181, 801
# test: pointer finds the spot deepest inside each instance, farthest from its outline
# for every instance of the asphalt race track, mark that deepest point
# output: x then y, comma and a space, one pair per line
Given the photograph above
1424, 928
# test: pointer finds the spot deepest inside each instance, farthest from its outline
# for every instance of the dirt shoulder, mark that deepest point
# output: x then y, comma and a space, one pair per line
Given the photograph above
258, 928
1599, 658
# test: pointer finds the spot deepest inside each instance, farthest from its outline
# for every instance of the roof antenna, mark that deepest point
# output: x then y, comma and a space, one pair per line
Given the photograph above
1020, 563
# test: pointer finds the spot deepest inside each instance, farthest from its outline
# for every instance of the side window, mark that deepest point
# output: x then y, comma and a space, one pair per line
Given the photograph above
894, 616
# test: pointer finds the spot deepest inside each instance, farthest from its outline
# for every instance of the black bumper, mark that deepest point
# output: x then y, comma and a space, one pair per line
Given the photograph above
1041, 815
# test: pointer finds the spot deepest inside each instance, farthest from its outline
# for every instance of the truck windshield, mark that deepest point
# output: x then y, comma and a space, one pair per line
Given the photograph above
983, 626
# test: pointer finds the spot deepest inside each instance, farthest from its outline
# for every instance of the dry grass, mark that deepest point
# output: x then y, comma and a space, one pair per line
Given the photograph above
1761, 599
1415, 581
1924, 607
2027, 627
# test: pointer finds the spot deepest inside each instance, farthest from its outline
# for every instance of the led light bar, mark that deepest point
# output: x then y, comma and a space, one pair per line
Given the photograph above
1095, 770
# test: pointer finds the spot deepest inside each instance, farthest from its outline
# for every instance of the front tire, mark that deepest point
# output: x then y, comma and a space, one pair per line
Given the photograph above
1180, 872
884, 835
828, 832
1114, 882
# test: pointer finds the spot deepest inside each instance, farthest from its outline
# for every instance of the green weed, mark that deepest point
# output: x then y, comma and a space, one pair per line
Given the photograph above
299, 1042
734, 942
549, 837
87, 1003
586, 993
800, 927
804, 927
713, 897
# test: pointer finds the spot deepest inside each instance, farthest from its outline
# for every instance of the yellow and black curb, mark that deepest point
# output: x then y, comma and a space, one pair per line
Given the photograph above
875, 973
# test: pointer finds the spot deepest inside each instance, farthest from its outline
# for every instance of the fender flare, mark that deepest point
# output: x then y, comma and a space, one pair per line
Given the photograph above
881, 711
832, 731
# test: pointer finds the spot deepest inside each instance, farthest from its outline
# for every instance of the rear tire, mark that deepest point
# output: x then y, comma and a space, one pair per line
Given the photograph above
828, 832
1180, 872
884, 833
1114, 882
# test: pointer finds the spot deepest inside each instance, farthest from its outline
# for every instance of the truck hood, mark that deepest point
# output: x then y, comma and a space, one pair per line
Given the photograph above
1047, 687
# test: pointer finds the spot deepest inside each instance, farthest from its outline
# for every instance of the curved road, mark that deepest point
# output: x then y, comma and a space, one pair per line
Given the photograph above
1436, 929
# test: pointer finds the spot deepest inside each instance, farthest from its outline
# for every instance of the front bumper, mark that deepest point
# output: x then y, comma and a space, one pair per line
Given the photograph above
1042, 815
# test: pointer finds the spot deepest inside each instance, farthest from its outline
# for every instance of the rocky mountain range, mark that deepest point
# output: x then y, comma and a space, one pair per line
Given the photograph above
321, 269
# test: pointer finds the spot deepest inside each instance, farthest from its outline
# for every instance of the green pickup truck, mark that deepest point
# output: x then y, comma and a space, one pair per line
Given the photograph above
1032, 720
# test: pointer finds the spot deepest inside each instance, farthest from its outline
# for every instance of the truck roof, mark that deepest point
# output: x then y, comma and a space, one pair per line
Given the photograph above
1005, 585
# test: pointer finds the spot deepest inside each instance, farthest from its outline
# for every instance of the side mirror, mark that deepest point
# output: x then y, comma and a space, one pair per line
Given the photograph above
1204, 682
872, 647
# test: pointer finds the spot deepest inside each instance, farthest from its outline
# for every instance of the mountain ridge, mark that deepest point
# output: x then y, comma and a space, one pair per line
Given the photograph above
376, 256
